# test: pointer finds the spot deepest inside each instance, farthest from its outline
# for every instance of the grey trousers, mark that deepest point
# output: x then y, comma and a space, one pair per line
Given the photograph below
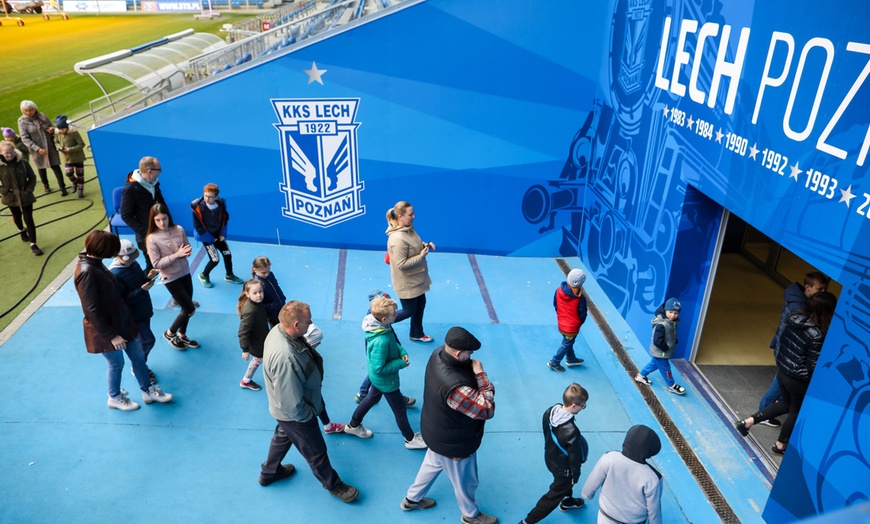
462, 474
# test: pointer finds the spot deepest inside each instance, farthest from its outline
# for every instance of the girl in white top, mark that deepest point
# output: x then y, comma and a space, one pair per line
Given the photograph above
168, 249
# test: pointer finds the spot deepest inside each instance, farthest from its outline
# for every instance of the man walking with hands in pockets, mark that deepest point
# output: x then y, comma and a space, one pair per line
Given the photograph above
458, 400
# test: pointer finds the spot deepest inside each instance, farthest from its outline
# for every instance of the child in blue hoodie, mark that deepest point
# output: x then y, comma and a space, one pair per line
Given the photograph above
661, 348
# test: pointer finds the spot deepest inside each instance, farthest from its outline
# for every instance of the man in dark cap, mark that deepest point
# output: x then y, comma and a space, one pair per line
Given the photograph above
458, 399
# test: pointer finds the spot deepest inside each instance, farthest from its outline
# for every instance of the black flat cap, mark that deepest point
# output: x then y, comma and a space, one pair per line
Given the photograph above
459, 338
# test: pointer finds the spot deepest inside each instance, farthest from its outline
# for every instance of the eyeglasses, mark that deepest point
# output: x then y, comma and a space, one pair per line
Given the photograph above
155, 169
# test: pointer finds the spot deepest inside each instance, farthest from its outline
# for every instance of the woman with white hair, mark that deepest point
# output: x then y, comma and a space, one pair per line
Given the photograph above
37, 133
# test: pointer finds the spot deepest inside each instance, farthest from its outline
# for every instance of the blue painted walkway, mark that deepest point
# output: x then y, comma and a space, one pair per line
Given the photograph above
66, 457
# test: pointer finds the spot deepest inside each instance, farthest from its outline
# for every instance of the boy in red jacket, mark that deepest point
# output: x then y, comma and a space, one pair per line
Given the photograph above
570, 307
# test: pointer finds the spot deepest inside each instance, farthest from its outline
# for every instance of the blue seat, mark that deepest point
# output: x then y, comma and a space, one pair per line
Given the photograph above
244, 58
115, 221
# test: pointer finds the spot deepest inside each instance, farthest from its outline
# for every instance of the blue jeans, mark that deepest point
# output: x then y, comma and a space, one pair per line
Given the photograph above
364, 387
146, 337
116, 366
663, 365
773, 394
565, 348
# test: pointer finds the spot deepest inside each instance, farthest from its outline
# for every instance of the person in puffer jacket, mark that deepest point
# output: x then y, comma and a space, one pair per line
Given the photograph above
799, 347
565, 450
571, 309
661, 347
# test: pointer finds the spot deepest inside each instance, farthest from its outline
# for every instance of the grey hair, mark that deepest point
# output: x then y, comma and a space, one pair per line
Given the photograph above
28, 104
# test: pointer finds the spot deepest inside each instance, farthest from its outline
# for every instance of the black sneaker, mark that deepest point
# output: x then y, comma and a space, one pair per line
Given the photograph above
774, 423
174, 341
81, 192
569, 503
45, 188
63, 191
35, 249
284, 471
345, 492
409, 505
575, 362
187, 342
410, 401
741, 428
555, 367
24, 236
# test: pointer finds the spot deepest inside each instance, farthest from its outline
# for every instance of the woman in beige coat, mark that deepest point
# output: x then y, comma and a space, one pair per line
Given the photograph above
408, 267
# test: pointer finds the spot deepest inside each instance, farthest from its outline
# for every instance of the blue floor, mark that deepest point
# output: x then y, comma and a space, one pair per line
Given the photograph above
67, 458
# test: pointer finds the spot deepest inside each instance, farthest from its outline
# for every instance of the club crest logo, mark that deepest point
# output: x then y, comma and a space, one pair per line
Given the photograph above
319, 159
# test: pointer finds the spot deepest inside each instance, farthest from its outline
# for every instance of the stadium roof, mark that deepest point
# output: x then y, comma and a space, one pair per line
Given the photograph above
157, 64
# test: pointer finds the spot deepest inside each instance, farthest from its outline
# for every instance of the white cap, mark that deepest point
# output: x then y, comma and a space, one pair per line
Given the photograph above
128, 250
576, 277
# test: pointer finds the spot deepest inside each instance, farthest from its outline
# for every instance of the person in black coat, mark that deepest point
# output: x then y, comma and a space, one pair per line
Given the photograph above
565, 451
799, 347
17, 181
109, 327
253, 329
273, 297
140, 193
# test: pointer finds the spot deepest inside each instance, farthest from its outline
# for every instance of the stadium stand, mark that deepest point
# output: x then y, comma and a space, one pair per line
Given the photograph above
161, 68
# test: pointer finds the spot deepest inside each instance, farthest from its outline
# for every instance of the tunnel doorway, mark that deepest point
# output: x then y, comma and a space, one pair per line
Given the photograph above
745, 301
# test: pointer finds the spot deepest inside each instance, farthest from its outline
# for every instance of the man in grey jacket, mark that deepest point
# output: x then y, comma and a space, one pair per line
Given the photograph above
293, 373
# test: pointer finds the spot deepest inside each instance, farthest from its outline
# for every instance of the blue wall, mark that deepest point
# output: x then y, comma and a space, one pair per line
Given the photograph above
614, 132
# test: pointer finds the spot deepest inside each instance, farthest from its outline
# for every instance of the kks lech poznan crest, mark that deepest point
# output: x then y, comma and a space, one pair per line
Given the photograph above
320, 159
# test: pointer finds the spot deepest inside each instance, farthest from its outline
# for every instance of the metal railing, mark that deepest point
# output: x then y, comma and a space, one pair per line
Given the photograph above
248, 43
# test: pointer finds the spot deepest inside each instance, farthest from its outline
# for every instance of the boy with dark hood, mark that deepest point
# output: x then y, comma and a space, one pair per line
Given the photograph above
565, 450
631, 489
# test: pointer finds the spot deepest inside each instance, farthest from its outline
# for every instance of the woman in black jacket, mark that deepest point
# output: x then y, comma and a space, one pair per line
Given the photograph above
17, 181
109, 328
799, 347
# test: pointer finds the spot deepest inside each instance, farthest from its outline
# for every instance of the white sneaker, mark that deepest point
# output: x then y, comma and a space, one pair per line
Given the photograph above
416, 442
122, 402
642, 379
155, 394
359, 431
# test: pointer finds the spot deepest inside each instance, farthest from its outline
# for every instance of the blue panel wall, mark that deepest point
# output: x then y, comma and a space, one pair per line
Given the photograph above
456, 99
614, 131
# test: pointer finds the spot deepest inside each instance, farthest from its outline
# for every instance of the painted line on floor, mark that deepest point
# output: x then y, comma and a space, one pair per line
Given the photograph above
339, 284
484, 292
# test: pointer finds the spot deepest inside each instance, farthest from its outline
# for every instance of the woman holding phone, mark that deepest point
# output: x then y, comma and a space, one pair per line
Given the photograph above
168, 248
408, 267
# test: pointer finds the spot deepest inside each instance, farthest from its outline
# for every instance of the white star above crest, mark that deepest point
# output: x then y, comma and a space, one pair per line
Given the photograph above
665, 111
795, 171
690, 121
314, 74
719, 135
753, 151
846, 196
